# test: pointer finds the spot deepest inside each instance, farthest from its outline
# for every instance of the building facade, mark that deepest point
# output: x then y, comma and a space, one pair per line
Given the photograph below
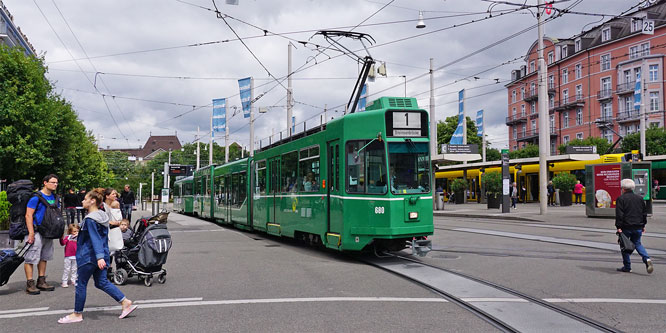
591, 82
11, 35
155, 145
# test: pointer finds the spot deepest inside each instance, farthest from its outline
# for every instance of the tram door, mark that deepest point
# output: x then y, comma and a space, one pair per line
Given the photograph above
273, 203
334, 186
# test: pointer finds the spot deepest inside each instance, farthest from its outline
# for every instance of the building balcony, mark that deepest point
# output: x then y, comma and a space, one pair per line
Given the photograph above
533, 135
628, 115
604, 94
552, 89
516, 119
626, 87
531, 95
605, 120
569, 103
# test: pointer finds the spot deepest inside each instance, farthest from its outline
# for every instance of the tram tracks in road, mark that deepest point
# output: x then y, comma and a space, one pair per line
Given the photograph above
505, 309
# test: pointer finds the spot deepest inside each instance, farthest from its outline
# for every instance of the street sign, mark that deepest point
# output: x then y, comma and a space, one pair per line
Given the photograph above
549, 8
460, 149
648, 27
581, 149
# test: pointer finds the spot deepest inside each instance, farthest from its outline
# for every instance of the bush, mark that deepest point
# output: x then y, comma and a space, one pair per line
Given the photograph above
4, 211
565, 181
492, 182
458, 185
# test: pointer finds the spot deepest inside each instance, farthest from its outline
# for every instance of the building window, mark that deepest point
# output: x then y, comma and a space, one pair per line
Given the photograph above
579, 116
532, 68
551, 102
515, 132
534, 126
565, 76
513, 111
552, 123
605, 34
577, 45
654, 101
565, 96
564, 51
522, 110
607, 111
628, 103
551, 81
532, 89
515, 147
579, 135
645, 49
579, 71
633, 52
565, 120
513, 96
551, 57
606, 86
522, 93
552, 147
637, 71
579, 92
654, 73
605, 62
630, 129
637, 24
608, 135
532, 107
627, 76
565, 139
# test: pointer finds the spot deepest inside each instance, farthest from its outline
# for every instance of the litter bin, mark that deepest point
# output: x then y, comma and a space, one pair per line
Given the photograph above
440, 200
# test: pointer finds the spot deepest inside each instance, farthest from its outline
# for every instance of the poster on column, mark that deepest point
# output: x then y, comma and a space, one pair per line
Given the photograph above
607, 179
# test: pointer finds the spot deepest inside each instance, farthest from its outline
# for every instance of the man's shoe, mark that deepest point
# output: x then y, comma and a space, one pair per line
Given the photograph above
648, 266
42, 285
622, 269
30, 288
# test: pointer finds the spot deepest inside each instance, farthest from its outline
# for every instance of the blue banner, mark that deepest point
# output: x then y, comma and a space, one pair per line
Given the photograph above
637, 93
362, 101
293, 124
479, 123
457, 137
245, 86
219, 115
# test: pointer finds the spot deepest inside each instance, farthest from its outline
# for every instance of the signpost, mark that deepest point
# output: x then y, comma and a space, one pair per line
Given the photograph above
581, 150
460, 149
506, 179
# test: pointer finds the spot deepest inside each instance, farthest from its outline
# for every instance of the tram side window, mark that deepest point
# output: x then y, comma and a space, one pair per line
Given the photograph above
187, 189
274, 177
309, 170
260, 176
235, 182
219, 193
242, 188
289, 171
366, 167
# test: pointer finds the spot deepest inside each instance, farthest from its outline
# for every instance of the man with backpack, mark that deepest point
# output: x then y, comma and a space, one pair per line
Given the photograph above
41, 250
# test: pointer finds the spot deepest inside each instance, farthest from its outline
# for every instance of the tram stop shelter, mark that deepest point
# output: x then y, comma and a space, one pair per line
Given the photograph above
603, 185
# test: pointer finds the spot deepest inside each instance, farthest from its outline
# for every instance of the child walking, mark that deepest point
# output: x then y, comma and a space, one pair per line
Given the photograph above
69, 241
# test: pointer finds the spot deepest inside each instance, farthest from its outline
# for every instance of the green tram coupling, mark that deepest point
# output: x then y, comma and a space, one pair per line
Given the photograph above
360, 182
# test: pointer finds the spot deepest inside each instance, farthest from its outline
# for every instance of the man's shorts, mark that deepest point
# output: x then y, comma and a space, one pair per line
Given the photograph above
41, 249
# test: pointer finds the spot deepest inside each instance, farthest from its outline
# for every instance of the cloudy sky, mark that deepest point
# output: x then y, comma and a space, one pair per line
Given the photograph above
132, 68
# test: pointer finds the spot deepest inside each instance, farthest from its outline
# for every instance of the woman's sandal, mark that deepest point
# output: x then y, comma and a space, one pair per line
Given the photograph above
68, 320
127, 311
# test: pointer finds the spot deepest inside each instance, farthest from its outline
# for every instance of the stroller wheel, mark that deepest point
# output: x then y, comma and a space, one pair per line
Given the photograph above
120, 276
161, 278
148, 280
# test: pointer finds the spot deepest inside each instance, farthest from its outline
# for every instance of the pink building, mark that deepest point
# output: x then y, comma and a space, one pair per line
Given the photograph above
591, 82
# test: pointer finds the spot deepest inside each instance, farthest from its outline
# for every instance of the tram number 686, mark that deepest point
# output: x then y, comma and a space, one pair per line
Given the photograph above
379, 210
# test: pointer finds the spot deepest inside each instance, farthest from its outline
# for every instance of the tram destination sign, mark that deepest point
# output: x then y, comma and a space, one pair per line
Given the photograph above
581, 149
406, 123
460, 149
180, 170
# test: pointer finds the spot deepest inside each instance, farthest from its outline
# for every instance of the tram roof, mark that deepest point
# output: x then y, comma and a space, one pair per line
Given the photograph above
529, 160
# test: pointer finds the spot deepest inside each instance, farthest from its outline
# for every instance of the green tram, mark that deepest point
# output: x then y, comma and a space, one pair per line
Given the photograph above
358, 182
183, 197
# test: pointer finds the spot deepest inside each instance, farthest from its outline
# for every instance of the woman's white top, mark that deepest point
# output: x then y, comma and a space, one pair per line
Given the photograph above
114, 214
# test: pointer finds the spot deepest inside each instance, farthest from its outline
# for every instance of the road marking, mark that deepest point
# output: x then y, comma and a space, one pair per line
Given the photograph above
605, 300
146, 301
227, 302
23, 310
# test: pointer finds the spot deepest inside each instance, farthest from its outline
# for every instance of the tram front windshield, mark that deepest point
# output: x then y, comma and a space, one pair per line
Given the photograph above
409, 167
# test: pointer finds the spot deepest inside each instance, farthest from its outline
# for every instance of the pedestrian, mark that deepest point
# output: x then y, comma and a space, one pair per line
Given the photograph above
112, 207
127, 232
127, 198
92, 257
71, 201
655, 188
79, 205
630, 219
69, 241
514, 195
578, 192
41, 250
551, 193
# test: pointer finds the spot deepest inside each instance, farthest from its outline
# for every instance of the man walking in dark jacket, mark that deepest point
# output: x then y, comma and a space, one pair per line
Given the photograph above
127, 198
630, 219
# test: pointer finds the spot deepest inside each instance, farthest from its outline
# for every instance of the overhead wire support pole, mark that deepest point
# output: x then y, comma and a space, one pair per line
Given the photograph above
544, 135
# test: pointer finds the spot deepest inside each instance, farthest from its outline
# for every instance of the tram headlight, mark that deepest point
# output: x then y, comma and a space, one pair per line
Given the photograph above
413, 215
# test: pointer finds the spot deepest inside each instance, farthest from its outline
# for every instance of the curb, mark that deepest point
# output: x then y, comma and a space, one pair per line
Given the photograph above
494, 217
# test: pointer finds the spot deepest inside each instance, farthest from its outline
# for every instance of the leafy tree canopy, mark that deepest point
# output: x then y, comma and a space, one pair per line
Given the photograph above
601, 143
655, 139
525, 152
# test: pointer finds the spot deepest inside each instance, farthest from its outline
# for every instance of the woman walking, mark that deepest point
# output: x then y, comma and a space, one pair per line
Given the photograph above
92, 257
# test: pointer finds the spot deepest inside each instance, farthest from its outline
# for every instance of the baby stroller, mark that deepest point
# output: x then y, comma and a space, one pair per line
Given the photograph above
145, 252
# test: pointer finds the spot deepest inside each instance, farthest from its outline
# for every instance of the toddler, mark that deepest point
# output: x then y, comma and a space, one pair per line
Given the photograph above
124, 228
69, 241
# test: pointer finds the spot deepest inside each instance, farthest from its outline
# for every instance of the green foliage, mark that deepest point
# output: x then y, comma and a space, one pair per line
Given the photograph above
492, 181
39, 131
527, 151
493, 154
458, 185
445, 131
654, 137
565, 181
601, 143
4, 211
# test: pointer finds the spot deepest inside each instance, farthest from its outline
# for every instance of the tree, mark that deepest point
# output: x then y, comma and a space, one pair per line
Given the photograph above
601, 144
654, 137
39, 131
525, 152
493, 154
446, 129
